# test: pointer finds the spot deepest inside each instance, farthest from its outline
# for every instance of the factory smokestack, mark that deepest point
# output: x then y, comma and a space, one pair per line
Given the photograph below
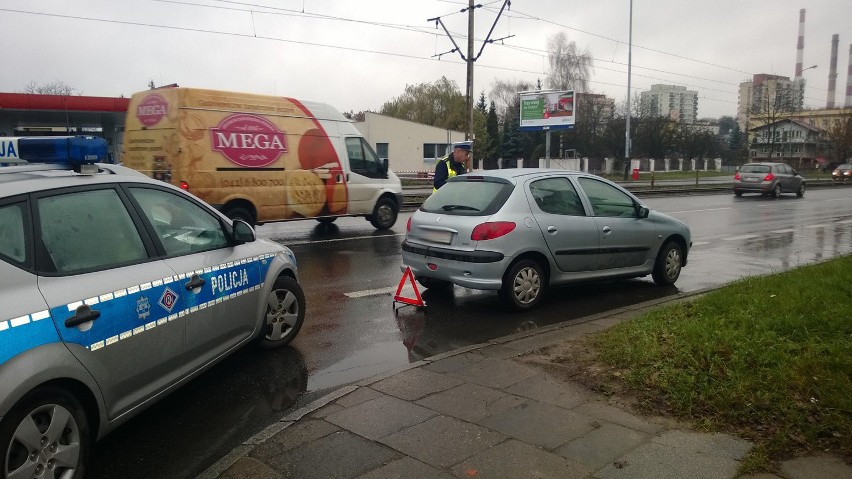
800, 45
849, 80
832, 72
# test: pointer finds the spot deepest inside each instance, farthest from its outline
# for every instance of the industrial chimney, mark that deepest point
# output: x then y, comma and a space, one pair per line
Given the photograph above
849, 81
800, 45
832, 72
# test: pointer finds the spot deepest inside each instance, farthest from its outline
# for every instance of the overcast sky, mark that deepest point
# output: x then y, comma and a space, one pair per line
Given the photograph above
357, 54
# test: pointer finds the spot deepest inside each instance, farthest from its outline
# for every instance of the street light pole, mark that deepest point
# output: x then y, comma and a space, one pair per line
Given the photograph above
629, 65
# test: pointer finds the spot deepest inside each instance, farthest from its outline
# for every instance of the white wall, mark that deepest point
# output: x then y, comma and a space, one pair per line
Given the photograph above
405, 140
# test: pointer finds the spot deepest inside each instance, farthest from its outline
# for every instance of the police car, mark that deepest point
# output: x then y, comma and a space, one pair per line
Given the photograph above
115, 289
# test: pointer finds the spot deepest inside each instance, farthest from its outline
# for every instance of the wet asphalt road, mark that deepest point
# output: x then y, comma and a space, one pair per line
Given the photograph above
349, 273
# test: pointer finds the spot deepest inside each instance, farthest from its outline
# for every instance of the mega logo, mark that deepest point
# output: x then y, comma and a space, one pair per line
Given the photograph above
152, 109
248, 140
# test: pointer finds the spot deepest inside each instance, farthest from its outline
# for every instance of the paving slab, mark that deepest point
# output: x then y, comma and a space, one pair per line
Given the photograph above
379, 417
340, 455
494, 373
659, 461
358, 396
407, 467
547, 389
603, 445
470, 402
250, 468
816, 467
294, 436
443, 441
716, 444
540, 424
513, 459
415, 384
601, 410
455, 363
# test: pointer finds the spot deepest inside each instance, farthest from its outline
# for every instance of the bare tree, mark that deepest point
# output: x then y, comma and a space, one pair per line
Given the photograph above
570, 68
838, 137
504, 94
772, 104
57, 87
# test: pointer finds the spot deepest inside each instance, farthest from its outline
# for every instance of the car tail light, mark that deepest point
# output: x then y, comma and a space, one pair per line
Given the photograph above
769, 177
489, 231
184, 185
408, 225
737, 176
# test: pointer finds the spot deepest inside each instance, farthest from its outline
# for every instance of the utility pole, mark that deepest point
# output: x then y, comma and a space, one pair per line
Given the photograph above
470, 58
469, 133
627, 122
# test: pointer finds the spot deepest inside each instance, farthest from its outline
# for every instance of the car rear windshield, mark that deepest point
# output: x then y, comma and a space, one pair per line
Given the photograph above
477, 197
755, 169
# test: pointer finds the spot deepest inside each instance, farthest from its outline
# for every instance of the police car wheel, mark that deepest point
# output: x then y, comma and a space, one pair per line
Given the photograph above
46, 435
384, 214
285, 313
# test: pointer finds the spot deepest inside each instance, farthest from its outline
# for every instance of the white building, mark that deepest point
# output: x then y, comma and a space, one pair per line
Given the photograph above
408, 146
768, 92
674, 102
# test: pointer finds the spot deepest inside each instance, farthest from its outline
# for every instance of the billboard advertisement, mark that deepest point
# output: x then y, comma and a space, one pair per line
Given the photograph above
547, 110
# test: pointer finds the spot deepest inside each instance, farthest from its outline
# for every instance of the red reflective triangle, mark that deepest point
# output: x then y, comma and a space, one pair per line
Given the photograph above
417, 300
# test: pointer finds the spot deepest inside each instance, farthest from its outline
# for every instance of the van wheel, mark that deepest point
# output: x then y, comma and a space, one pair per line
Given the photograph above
384, 214
46, 435
326, 220
285, 313
237, 213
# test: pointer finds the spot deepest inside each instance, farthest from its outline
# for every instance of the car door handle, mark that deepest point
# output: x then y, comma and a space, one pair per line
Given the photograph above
194, 282
552, 229
606, 230
84, 314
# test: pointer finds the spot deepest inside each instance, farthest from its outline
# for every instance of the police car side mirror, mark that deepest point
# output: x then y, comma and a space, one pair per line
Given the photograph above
242, 232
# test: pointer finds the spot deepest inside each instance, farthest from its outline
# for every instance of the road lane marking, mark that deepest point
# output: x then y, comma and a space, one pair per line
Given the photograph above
371, 292
699, 243
697, 211
788, 230
816, 226
741, 237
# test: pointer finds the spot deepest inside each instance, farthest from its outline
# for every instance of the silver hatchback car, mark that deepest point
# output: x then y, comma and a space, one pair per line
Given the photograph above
115, 289
768, 179
520, 231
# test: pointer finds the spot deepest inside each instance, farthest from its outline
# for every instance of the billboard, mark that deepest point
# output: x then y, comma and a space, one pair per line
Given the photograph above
547, 110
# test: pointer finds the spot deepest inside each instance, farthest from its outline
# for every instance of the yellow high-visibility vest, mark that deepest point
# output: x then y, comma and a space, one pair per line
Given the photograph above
450, 172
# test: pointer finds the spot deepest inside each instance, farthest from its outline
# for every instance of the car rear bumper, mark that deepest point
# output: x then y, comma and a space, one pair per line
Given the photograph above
754, 187
470, 269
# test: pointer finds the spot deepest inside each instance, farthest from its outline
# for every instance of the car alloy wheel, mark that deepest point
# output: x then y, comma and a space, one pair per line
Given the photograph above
285, 312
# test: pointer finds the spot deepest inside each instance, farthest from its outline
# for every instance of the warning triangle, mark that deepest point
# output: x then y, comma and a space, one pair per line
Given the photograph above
408, 278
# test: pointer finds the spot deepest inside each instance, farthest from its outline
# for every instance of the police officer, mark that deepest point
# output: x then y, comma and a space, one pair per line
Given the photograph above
453, 164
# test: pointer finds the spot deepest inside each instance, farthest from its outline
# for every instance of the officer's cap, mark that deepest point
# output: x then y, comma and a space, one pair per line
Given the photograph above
464, 145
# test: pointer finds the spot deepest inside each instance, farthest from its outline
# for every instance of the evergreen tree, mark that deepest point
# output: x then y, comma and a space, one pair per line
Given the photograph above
492, 149
481, 104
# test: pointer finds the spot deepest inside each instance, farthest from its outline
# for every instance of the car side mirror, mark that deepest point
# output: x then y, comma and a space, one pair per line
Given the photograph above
242, 232
643, 212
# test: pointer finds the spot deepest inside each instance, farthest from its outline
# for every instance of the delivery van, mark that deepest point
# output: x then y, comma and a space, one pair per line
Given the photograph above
260, 158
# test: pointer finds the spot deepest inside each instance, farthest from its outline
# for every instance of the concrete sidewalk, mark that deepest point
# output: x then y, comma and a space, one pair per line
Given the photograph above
480, 412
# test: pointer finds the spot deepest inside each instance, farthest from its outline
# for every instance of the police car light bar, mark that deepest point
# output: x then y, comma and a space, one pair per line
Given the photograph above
70, 150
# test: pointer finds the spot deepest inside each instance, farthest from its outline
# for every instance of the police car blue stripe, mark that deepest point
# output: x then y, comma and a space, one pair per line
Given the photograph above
25, 332
222, 282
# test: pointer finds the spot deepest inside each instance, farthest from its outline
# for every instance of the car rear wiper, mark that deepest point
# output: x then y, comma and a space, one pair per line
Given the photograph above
459, 207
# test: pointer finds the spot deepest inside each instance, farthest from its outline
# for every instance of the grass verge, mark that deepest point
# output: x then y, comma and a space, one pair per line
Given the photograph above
769, 358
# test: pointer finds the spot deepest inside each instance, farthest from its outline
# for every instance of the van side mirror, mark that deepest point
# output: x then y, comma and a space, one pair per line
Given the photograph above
385, 166
242, 232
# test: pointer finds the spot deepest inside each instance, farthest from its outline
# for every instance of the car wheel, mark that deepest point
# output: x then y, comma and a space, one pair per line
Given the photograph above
285, 313
801, 191
432, 283
327, 220
523, 285
668, 264
384, 214
238, 213
46, 435
738, 193
776, 192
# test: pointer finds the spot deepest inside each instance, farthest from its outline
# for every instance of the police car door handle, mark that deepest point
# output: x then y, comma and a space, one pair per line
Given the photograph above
84, 314
194, 282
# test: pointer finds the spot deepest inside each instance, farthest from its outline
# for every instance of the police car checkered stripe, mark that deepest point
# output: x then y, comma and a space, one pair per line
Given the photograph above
28, 331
